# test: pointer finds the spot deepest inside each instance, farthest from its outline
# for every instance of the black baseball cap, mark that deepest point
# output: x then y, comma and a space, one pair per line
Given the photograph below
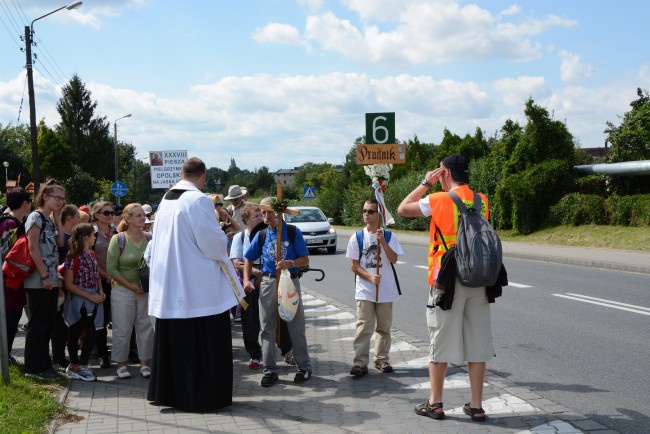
458, 166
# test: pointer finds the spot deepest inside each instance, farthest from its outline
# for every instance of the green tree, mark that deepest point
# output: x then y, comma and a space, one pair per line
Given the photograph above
87, 135
631, 142
15, 149
80, 187
419, 158
55, 155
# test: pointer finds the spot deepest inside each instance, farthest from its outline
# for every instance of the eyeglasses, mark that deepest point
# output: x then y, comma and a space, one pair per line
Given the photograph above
218, 205
107, 213
369, 211
59, 198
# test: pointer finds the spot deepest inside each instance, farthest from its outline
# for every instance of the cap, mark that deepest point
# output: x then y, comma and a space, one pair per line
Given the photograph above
458, 166
147, 208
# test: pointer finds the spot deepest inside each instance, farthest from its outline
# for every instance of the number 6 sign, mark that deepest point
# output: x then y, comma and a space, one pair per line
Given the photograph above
380, 128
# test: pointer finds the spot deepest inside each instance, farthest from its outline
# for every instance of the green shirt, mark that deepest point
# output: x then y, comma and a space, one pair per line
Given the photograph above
126, 264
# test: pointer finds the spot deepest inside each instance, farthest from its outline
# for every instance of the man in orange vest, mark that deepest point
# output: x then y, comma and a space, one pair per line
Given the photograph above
462, 333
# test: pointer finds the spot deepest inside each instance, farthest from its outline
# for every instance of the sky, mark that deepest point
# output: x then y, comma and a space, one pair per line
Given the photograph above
279, 83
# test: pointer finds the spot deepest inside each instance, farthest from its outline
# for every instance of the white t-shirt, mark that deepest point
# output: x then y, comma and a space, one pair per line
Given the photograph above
365, 290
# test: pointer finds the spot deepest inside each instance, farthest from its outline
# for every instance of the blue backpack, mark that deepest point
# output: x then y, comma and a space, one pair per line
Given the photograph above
387, 235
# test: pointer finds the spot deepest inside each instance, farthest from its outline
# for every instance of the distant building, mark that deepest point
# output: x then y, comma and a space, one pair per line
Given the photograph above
597, 153
285, 176
233, 165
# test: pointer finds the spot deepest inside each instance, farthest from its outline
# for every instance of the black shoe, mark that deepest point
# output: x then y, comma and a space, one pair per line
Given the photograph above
269, 378
384, 367
63, 365
49, 375
358, 371
302, 376
104, 362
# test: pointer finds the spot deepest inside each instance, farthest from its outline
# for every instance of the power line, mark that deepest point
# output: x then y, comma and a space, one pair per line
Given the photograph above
49, 58
17, 6
13, 35
11, 17
22, 99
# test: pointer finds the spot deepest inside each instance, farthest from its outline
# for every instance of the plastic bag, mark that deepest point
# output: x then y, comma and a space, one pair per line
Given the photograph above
288, 297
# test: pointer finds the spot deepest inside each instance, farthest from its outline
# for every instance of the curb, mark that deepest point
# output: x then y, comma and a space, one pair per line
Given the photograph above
64, 395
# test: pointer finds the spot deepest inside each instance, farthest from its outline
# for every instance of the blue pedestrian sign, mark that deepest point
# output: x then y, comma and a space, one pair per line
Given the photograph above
119, 189
309, 192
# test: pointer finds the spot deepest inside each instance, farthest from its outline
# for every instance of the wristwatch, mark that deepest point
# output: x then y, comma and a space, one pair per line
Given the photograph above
426, 183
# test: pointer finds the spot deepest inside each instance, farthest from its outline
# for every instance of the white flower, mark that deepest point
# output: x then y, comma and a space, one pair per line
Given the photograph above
376, 171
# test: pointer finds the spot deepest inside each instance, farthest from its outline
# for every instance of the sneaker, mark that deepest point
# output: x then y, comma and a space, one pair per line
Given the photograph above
358, 371
123, 372
145, 371
49, 375
62, 366
254, 364
302, 376
84, 374
288, 358
269, 378
384, 367
104, 362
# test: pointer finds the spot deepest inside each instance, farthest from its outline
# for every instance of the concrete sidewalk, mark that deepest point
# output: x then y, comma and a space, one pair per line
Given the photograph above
331, 402
620, 260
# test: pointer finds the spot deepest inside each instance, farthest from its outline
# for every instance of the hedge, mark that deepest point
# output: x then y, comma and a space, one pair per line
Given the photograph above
628, 210
577, 209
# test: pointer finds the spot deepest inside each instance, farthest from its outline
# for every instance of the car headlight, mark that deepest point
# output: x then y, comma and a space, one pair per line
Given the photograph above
331, 231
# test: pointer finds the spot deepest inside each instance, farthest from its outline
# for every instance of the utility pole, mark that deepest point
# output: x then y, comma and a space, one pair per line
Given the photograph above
36, 171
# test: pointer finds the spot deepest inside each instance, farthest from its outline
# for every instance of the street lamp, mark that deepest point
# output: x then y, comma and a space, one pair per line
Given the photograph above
116, 159
6, 164
29, 31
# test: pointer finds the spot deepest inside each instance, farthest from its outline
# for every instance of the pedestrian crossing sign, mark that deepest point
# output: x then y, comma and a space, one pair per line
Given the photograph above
309, 192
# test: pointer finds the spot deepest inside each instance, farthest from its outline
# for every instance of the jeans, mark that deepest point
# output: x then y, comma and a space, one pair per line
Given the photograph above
42, 310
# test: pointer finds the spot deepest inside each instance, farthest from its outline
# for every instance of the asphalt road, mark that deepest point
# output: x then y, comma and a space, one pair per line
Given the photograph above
588, 354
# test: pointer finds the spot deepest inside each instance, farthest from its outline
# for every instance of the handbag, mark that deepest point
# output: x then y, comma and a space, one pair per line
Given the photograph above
288, 297
143, 274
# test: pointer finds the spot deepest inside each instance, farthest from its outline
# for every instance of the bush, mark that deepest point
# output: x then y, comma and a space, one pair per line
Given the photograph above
577, 209
523, 199
628, 210
592, 184
396, 192
353, 204
331, 202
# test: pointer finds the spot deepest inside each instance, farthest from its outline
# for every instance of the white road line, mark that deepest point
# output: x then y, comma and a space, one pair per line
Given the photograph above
518, 285
424, 267
610, 301
608, 304
400, 262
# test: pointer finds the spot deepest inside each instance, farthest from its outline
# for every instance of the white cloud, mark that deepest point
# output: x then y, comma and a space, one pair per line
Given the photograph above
429, 33
278, 33
514, 9
515, 91
571, 70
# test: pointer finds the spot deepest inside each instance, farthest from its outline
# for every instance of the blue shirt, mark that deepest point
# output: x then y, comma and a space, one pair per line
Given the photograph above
267, 251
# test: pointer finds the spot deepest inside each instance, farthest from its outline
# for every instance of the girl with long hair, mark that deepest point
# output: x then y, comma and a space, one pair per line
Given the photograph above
44, 235
82, 308
130, 303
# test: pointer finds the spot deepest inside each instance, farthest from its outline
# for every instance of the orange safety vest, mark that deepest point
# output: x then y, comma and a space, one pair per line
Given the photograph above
445, 215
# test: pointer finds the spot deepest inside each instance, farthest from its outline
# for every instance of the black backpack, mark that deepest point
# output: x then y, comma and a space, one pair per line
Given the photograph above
478, 247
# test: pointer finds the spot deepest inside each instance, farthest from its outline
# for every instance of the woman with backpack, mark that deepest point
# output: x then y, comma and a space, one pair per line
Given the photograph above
44, 235
102, 215
19, 202
82, 308
129, 301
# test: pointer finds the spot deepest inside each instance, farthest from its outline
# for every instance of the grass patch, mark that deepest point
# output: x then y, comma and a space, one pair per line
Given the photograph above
608, 237
26, 405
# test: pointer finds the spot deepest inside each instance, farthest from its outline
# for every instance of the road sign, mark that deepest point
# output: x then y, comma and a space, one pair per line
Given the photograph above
381, 154
380, 128
309, 192
119, 189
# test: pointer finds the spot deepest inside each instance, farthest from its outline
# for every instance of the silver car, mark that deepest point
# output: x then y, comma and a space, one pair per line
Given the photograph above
315, 227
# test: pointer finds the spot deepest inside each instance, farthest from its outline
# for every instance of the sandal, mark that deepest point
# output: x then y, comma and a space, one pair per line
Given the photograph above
474, 413
384, 367
429, 410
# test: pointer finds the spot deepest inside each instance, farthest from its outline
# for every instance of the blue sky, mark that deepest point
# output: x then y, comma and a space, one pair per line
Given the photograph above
278, 83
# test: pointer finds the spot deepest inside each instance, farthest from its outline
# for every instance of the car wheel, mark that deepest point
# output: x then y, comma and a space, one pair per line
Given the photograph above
331, 250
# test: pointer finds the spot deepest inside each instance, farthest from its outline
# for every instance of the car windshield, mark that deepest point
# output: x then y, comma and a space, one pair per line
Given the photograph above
306, 216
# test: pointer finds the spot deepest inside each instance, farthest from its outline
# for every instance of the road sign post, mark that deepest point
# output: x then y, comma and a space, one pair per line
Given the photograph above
119, 190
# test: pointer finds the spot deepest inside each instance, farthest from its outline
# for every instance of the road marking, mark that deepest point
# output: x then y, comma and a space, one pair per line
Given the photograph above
607, 303
336, 316
400, 262
518, 285
424, 267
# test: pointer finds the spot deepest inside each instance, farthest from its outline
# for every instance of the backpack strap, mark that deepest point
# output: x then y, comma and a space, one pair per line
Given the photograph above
121, 241
478, 202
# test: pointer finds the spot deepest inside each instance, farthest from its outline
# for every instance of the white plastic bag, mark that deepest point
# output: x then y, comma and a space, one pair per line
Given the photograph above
288, 297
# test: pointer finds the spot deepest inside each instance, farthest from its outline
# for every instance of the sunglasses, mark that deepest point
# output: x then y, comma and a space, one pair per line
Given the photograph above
107, 213
218, 205
369, 211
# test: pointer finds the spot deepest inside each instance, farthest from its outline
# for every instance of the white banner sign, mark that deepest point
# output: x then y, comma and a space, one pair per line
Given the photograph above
166, 167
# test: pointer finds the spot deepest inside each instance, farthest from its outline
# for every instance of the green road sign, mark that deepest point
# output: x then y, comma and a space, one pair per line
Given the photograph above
380, 128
